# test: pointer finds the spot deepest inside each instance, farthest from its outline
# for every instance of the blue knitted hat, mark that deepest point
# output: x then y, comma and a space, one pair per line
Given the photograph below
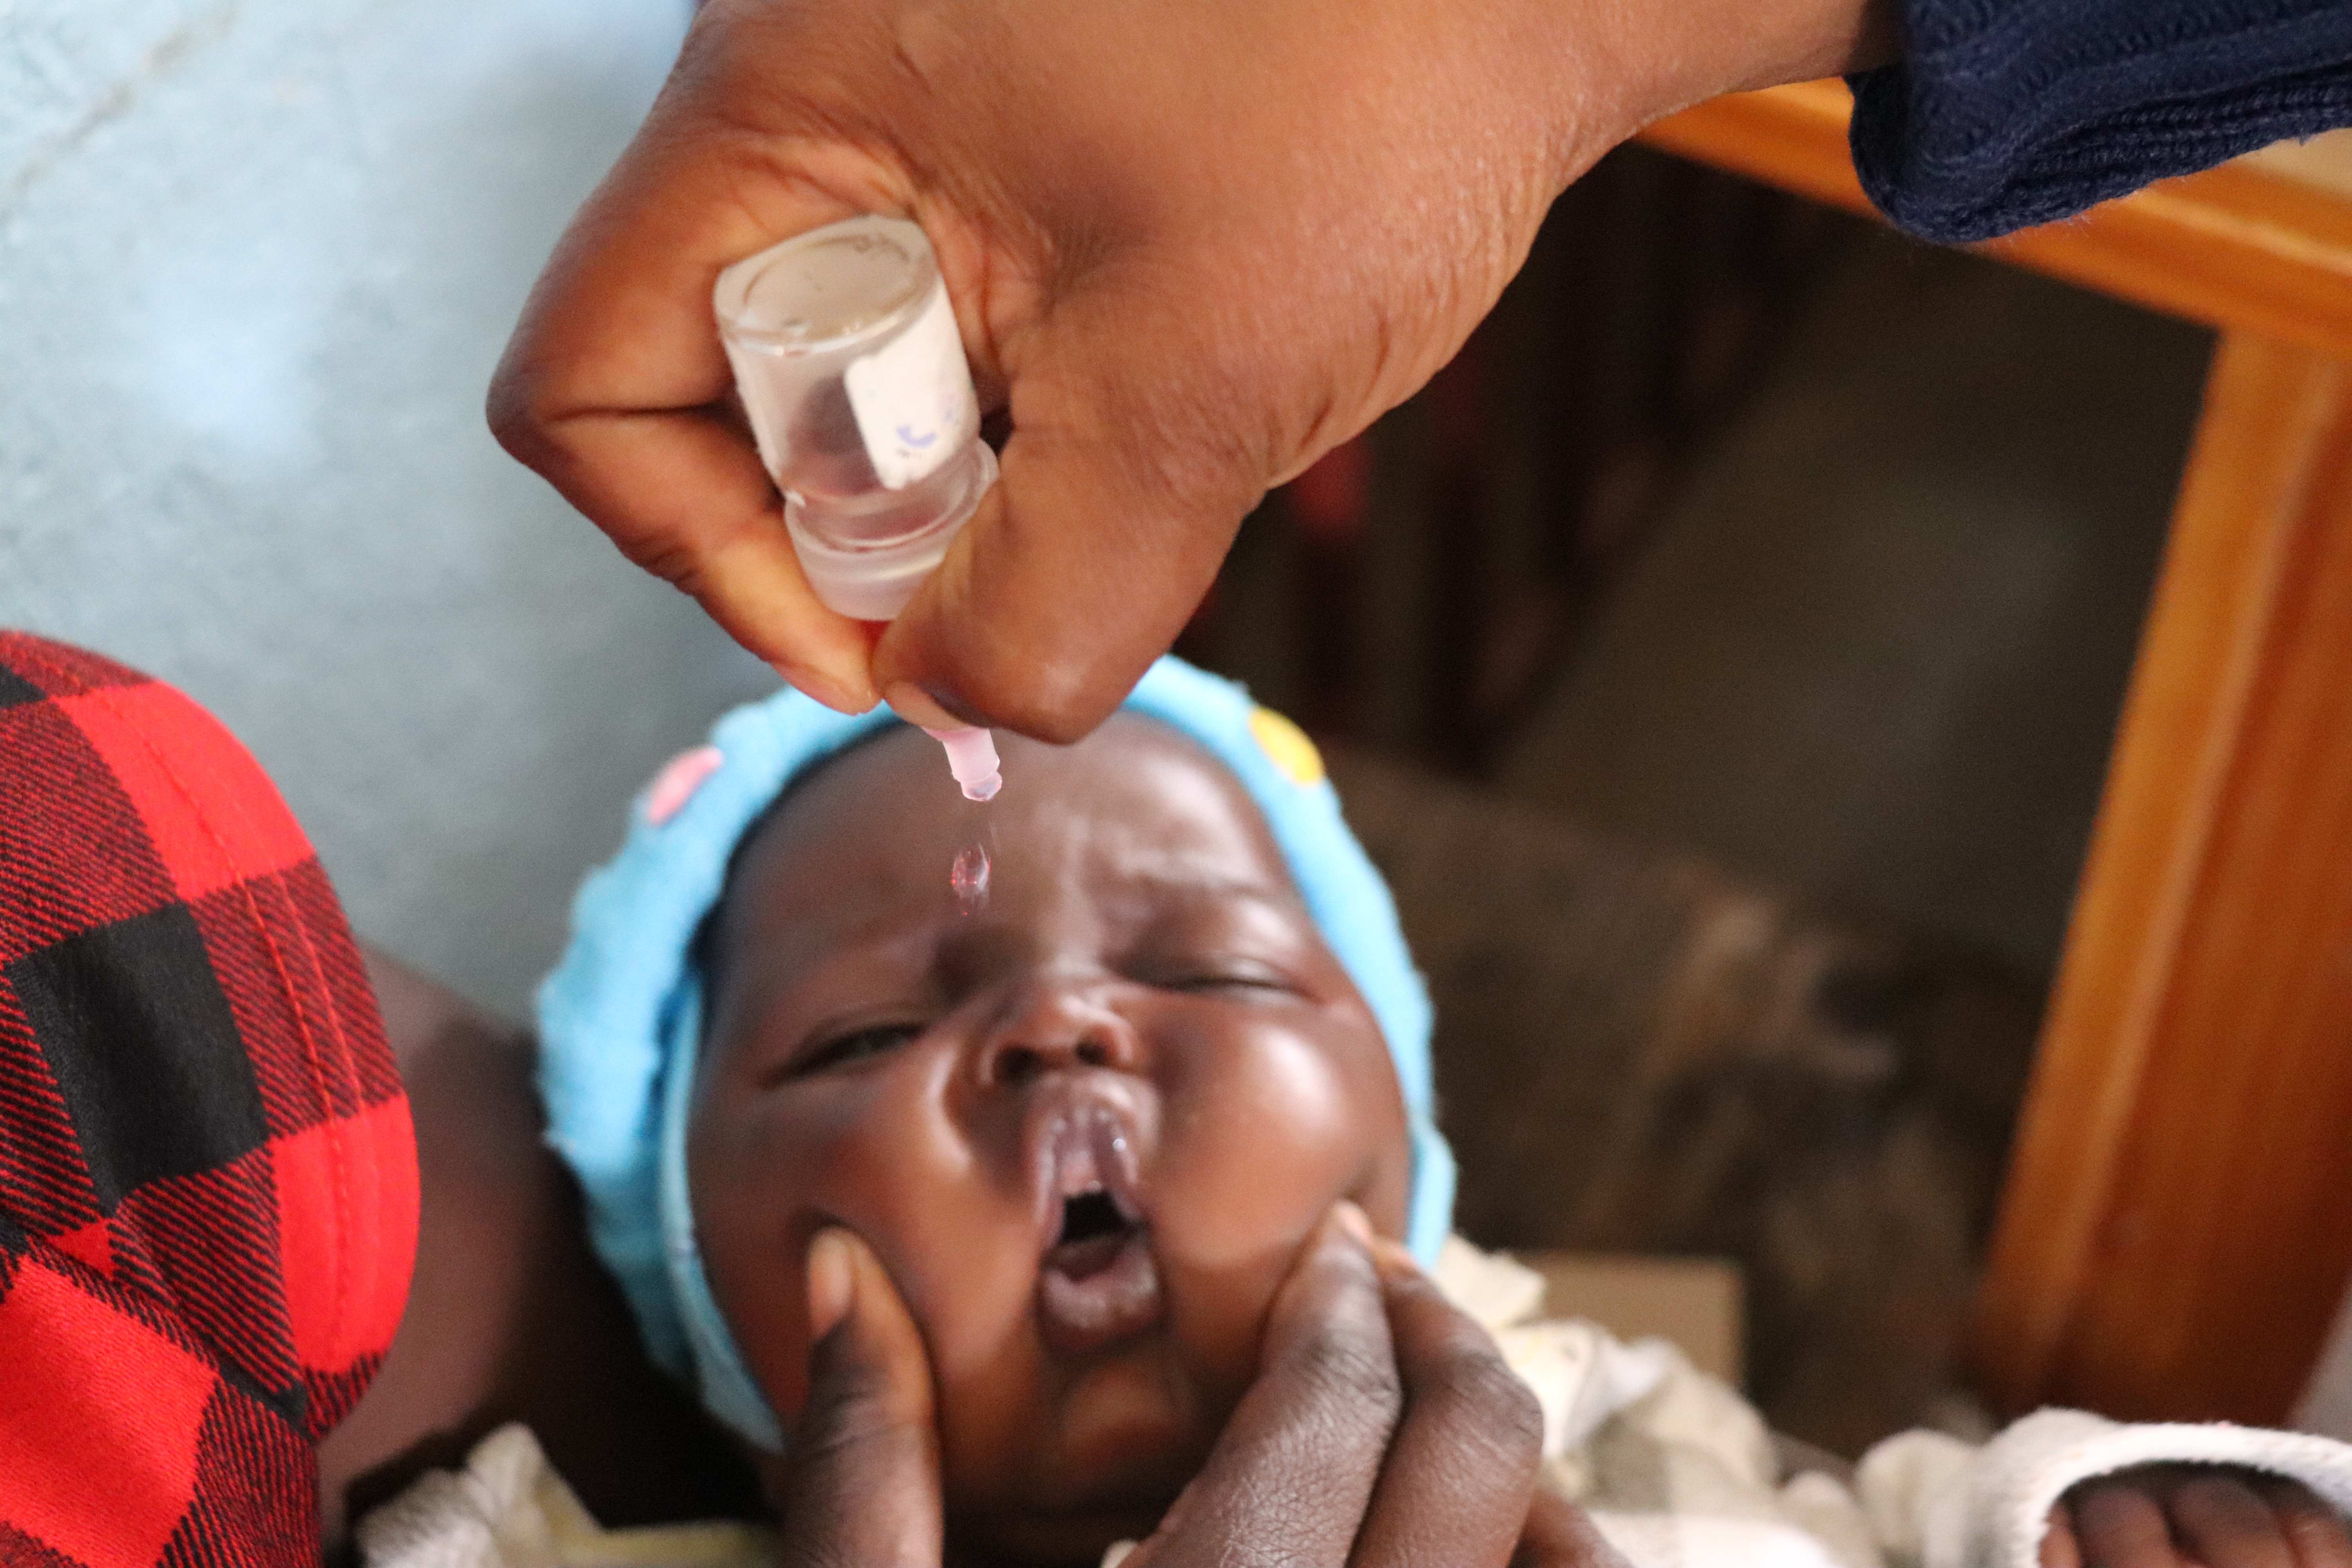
620, 1018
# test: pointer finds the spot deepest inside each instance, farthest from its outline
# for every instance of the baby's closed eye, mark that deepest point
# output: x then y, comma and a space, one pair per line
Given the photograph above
852, 1046
1218, 975
1243, 946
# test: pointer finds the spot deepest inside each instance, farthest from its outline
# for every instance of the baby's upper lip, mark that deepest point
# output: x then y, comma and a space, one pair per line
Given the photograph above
1098, 1278
1084, 1135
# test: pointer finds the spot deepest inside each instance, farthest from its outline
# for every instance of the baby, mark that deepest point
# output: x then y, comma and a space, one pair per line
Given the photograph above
1085, 1119
1085, 1126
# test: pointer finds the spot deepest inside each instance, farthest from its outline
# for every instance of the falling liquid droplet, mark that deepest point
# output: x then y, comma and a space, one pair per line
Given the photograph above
968, 880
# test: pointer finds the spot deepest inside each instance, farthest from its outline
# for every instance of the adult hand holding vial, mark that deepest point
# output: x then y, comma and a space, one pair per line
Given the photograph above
851, 372
1189, 246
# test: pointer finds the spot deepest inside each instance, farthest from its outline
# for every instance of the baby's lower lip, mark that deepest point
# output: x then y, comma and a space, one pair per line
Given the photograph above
1092, 1294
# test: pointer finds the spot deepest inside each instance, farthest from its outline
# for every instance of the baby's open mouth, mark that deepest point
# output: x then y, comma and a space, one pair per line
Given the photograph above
1097, 1282
1094, 1233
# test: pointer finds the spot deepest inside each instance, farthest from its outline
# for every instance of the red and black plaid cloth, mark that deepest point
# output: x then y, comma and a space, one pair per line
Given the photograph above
207, 1177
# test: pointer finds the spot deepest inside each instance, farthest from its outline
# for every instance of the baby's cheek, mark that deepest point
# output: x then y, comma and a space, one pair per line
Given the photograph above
767, 1172
970, 1287
753, 1262
1258, 1144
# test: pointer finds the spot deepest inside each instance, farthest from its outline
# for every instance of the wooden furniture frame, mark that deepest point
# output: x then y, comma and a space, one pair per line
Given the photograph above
2176, 1231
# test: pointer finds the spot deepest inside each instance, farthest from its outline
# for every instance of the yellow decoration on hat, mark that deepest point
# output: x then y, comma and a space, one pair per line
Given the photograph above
1287, 746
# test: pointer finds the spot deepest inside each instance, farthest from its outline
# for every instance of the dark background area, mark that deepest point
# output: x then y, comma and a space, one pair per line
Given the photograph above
1721, 656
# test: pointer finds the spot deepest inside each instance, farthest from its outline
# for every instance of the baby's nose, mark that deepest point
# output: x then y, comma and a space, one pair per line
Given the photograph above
1057, 1026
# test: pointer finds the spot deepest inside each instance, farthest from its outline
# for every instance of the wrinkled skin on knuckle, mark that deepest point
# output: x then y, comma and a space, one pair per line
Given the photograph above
1485, 1404
837, 1432
803, 98
777, 58
1347, 1375
529, 397
1275, 1519
1196, 464
1251, 387
849, 1409
671, 559
515, 423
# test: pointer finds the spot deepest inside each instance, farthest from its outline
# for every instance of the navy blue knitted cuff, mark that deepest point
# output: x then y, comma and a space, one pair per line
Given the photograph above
2006, 114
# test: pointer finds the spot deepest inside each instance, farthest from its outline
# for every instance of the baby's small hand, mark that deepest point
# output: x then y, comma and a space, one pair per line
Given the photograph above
2194, 1516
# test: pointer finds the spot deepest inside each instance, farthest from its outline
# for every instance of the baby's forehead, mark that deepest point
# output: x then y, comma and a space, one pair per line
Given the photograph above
1139, 803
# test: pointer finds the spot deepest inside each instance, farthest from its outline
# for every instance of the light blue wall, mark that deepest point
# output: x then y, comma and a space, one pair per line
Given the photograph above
256, 260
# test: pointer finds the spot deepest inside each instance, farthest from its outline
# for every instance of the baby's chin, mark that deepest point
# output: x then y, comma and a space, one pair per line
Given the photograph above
1003, 1538
1077, 1531
1125, 1446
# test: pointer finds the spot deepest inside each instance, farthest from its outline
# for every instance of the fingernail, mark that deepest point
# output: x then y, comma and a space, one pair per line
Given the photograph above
831, 1278
1394, 1254
842, 697
915, 705
1354, 1222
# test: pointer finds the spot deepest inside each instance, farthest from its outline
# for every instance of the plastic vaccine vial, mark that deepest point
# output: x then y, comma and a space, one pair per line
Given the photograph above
847, 356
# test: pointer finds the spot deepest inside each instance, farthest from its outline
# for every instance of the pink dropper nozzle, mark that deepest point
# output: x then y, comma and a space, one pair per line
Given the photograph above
971, 758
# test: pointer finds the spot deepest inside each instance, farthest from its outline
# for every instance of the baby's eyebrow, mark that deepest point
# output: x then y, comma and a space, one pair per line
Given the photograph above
1201, 882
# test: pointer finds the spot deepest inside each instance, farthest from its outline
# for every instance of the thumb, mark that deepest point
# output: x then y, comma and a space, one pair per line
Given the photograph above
859, 1486
1139, 442
1067, 582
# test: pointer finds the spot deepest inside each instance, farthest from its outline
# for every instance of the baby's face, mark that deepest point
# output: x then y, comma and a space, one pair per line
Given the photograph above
1086, 1127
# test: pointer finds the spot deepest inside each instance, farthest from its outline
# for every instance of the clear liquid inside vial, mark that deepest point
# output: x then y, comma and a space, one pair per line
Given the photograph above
828, 452
846, 355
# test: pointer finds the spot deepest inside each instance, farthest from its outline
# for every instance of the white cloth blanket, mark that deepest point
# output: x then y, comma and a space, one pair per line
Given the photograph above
1943, 1504
1676, 1468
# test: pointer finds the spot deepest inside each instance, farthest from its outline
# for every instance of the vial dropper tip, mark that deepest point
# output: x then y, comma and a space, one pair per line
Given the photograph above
971, 758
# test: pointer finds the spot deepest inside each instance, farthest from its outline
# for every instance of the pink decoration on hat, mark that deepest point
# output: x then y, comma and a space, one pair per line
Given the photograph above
679, 778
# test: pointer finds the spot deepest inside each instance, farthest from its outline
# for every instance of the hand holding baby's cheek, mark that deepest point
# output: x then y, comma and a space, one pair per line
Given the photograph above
1383, 1430
1295, 1467
860, 1487
1462, 1468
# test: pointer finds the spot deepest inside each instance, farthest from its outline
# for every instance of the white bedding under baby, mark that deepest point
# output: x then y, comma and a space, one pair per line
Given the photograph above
1676, 1468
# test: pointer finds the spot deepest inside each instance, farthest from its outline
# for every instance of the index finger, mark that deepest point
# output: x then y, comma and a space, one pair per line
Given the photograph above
614, 387
1462, 1468
1288, 1481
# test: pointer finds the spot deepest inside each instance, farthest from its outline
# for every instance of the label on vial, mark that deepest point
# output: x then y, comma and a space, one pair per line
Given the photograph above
913, 399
